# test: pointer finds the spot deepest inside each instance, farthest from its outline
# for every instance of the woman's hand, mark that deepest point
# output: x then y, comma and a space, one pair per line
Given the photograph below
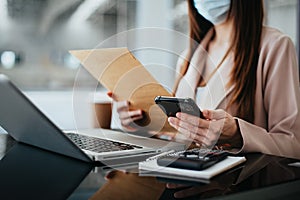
206, 132
127, 116
201, 191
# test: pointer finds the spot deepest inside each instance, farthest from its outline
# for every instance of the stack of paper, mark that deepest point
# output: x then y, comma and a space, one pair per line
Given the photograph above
151, 167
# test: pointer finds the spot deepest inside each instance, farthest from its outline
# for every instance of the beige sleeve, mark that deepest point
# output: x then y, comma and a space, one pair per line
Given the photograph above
281, 97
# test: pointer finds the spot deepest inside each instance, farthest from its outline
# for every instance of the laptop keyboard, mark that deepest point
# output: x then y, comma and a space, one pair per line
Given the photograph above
99, 145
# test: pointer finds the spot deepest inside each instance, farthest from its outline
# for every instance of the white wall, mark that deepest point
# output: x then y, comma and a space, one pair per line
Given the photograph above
283, 16
155, 14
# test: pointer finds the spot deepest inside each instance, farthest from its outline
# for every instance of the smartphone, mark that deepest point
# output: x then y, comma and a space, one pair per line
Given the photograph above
173, 105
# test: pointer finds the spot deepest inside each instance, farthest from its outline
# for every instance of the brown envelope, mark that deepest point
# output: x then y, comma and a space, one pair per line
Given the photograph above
120, 72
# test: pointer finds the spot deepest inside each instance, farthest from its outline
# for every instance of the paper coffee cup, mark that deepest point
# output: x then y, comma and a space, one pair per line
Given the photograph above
102, 110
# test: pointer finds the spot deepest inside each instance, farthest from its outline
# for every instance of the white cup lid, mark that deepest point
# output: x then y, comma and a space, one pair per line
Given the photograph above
100, 97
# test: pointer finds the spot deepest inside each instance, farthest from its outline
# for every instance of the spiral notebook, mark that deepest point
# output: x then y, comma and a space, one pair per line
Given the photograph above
151, 168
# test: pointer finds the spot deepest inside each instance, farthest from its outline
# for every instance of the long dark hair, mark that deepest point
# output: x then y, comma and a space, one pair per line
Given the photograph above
248, 20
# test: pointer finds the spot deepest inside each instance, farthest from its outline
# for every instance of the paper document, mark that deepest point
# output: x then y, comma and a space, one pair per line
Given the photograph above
228, 163
120, 72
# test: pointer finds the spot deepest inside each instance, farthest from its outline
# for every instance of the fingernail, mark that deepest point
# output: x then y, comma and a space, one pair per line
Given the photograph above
142, 112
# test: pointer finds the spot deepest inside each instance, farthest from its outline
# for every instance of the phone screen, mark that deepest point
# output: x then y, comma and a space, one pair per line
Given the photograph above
172, 105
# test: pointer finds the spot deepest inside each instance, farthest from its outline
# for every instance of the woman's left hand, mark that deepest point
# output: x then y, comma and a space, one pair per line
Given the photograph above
217, 124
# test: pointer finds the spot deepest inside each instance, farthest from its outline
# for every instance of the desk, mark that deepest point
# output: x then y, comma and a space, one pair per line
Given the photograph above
30, 173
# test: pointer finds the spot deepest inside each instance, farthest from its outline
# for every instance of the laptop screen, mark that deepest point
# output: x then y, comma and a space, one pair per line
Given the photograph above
26, 123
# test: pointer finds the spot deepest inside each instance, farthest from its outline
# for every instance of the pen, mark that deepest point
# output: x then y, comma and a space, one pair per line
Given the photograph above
159, 155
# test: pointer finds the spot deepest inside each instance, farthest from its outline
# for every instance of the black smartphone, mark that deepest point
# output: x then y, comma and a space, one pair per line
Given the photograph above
172, 105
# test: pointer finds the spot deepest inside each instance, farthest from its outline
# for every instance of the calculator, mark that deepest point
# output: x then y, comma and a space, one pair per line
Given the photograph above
194, 159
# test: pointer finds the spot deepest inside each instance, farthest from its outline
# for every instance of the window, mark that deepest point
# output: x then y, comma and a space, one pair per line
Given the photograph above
283, 15
37, 34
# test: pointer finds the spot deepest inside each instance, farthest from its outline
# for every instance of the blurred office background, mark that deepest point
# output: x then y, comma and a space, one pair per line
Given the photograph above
37, 34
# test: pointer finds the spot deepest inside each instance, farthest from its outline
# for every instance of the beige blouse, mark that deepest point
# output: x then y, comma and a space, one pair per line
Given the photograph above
276, 129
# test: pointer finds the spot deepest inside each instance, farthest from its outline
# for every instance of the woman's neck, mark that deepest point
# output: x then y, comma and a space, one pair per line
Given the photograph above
223, 33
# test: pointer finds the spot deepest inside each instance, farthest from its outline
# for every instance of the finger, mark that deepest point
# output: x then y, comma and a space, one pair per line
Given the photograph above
174, 185
214, 114
207, 144
186, 127
130, 120
204, 137
136, 118
130, 114
193, 120
112, 95
122, 105
129, 128
198, 134
200, 139
213, 134
174, 122
215, 129
188, 192
189, 134
187, 124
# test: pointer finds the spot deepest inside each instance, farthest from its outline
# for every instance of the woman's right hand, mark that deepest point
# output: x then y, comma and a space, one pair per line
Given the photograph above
127, 116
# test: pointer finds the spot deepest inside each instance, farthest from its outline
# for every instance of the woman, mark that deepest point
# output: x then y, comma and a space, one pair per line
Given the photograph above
250, 72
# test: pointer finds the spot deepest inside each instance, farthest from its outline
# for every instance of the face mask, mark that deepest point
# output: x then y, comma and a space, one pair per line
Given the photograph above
214, 11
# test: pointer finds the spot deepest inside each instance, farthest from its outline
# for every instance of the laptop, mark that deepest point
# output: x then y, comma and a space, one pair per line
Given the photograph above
27, 124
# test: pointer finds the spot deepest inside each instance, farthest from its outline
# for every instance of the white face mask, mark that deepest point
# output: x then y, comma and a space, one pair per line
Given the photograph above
214, 11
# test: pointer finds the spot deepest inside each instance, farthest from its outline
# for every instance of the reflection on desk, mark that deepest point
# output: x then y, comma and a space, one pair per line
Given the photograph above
260, 171
31, 173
